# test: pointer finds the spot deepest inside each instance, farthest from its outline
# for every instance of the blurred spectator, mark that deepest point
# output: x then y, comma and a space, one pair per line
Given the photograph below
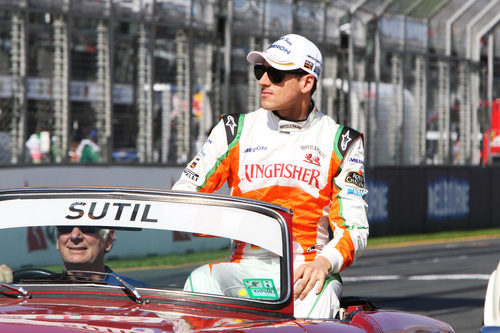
38, 145
5, 148
73, 155
88, 151
456, 152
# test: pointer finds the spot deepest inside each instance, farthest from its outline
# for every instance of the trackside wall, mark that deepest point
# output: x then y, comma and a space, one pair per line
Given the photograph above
430, 199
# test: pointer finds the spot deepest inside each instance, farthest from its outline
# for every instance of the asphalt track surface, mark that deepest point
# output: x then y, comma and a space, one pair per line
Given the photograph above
445, 280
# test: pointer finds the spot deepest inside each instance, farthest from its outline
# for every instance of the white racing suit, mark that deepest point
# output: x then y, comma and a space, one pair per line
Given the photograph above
314, 167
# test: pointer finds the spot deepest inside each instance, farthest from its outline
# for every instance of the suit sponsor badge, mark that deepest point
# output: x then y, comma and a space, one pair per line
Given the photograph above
230, 123
261, 288
355, 178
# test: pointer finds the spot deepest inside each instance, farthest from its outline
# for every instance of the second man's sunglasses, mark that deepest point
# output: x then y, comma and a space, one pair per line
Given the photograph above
84, 229
275, 75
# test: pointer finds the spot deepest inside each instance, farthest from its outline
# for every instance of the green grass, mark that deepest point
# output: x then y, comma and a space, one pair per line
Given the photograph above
159, 260
168, 259
200, 257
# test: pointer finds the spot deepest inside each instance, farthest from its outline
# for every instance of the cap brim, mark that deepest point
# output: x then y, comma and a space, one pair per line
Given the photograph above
257, 57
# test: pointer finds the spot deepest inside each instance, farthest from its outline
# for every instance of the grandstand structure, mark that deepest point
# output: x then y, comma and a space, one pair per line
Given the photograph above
151, 77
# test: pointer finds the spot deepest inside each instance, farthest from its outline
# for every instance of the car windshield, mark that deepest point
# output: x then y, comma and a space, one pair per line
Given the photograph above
154, 241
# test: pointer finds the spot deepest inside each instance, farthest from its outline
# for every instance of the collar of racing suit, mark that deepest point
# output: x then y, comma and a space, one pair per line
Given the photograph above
290, 126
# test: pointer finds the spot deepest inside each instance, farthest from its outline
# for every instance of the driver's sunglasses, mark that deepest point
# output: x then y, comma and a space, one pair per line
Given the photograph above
84, 229
274, 75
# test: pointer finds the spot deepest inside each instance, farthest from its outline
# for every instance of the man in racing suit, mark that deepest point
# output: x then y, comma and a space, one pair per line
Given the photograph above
288, 153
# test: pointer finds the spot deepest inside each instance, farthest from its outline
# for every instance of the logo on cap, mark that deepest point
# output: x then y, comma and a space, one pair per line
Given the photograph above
280, 47
317, 70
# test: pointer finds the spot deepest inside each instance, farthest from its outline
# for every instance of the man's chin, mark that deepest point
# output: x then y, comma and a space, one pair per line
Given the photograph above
77, 267
77, 263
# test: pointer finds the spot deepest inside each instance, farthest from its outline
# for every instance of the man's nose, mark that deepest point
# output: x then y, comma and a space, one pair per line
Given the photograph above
76, 233
264, 80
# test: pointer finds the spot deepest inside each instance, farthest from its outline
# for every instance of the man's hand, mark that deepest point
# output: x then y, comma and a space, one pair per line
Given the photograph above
5, 274
309, 274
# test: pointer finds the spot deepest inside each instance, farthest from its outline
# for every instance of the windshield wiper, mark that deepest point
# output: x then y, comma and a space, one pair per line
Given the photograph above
131, 289
23, 293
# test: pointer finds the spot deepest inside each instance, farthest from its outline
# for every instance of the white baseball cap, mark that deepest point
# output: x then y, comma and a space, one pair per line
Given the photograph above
291, 52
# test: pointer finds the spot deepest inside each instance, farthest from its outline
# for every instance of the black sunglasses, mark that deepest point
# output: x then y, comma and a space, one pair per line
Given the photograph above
275, 75
84, 229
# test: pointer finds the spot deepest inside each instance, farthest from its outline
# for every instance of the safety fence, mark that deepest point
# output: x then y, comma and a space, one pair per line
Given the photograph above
144, 80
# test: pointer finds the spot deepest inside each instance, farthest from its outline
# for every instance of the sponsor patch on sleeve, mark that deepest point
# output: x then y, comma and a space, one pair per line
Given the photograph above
194, 162
355, 178
231, 122
261, 288
191, 174
346, 138
360, 192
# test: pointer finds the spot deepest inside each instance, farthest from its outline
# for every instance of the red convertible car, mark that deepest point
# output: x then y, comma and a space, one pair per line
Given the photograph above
54, 279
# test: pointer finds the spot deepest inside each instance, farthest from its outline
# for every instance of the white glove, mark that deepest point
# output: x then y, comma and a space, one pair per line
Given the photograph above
5, 274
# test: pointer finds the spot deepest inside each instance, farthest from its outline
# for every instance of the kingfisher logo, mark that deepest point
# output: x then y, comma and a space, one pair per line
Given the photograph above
282, 170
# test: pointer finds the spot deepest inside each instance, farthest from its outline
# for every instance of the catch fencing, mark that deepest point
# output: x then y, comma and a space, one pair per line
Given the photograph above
147, 79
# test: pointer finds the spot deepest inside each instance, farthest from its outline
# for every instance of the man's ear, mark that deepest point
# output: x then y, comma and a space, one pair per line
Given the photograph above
109, 241
307, 83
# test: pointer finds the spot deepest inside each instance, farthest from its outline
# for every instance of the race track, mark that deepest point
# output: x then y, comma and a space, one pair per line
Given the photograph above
444, 280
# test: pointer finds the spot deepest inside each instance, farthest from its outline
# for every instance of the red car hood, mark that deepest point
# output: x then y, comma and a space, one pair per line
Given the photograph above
116, 316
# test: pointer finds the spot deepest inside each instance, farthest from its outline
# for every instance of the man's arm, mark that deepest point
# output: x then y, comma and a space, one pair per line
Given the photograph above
348, 221
209, 169
348, 212
309, 274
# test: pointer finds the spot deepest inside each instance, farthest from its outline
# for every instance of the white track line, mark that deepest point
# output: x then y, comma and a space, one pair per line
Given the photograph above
450, 277
432, 277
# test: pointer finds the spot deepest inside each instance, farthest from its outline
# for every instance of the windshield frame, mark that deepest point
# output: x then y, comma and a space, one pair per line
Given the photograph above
281, 216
